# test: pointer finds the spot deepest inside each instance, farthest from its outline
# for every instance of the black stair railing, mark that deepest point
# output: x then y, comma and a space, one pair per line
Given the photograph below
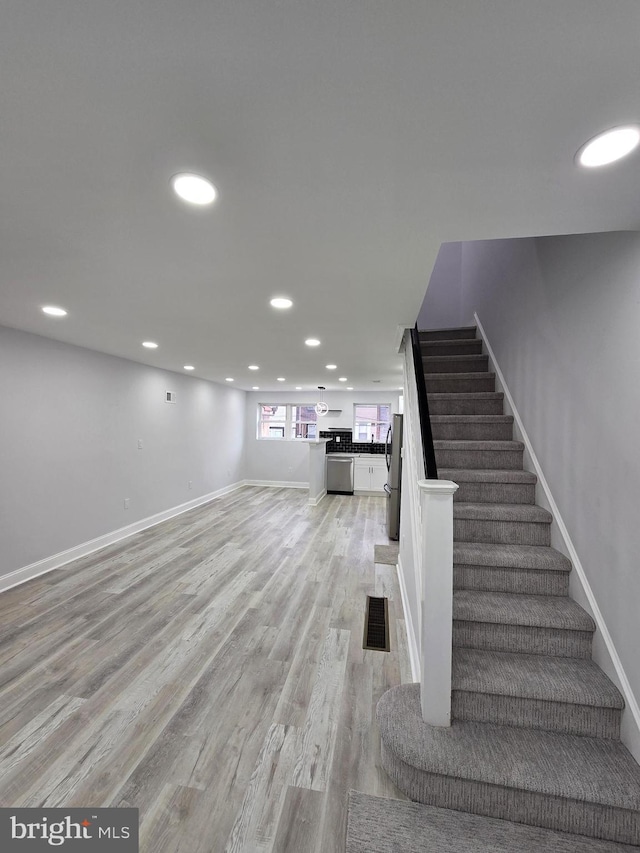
423, 408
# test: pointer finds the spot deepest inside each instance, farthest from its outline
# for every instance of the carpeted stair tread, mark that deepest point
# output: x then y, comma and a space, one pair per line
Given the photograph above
583, 769
486, 475
472, 419
571, 680
461, 346
446, 396
503, 512
453, 334
455, 363
481, 374
539, 557
448, 359
379, 825
507, 608
470, 402
467, 444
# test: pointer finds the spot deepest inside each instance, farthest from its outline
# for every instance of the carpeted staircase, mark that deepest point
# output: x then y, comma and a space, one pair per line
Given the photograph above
535, 737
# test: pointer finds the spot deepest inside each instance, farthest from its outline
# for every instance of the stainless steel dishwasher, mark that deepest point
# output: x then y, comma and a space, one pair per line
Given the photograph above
339, 475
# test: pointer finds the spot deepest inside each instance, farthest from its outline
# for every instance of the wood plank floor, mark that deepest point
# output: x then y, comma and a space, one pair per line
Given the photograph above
210, 672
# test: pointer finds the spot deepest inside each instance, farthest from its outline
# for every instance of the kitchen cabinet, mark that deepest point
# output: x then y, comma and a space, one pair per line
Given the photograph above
369, 474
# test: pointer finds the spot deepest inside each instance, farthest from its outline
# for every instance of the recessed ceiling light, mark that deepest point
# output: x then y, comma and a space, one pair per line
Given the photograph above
194, 188
255, 387
298, 387
342, 379
228, 379
312, 342
189, 367
331, 366
349, 387
609, 146
253, 367
54, 311
281, 302
281, 379
150, 344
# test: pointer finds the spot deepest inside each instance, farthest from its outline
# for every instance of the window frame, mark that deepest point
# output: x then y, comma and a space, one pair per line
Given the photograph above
369, 421
260, 422
295, 422
290, 422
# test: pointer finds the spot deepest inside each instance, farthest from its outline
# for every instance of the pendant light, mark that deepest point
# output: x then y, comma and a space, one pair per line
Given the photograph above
321, 407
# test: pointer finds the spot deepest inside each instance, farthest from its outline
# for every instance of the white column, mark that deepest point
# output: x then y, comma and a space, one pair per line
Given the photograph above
436, 506
317, 470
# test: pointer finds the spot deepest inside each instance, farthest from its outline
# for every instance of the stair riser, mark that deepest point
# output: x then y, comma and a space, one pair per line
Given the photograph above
521, 638
536, 714
470, 347
472, 432
496, 460
453, 406
449, 383
496, 493
499, 579
501, 532
448, 335
461, 364
545, 810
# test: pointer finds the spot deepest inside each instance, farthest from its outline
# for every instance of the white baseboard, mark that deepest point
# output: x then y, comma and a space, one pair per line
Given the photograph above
604, 650
56, 561
315, 501
277, 484
412, 640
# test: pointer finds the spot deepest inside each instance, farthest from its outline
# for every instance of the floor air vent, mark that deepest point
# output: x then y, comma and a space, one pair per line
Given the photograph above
376, 624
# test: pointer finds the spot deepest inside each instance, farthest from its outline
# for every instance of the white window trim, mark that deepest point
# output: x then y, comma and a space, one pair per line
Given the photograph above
289, 423
355, 421
259, 422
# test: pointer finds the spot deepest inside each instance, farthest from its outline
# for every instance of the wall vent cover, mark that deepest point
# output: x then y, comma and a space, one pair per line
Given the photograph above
376, 624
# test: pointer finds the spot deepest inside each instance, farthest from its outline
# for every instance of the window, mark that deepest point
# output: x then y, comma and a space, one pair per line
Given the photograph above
287, 421
371, 421
272, 421
304, 422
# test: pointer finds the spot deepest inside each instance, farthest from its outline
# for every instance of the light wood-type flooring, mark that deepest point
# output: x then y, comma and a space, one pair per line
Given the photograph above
210, 672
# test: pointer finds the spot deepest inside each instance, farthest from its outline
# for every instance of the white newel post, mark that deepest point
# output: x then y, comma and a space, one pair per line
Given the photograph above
436, 509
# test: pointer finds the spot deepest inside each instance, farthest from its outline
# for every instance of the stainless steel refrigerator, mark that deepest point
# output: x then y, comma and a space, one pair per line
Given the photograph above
393, 455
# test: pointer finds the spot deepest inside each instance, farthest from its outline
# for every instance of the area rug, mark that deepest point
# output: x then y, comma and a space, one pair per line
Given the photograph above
386, 554
377, 825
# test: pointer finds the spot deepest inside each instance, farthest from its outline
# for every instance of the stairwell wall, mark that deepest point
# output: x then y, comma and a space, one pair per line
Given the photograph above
442, 304
562, 316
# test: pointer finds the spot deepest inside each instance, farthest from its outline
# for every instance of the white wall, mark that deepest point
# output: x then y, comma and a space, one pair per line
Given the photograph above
442, 302
70, 420
288, 461
562, 315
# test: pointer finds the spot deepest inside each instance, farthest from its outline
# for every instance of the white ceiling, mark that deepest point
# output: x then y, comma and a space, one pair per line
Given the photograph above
347, 140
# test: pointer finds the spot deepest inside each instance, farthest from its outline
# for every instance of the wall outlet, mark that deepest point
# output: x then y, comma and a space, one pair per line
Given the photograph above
190, 484
337, 439
139, 444
127, 501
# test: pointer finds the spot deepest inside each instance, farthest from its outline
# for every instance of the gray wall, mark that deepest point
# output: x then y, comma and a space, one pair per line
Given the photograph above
443, 300
70, 420
288, 461
562, 315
